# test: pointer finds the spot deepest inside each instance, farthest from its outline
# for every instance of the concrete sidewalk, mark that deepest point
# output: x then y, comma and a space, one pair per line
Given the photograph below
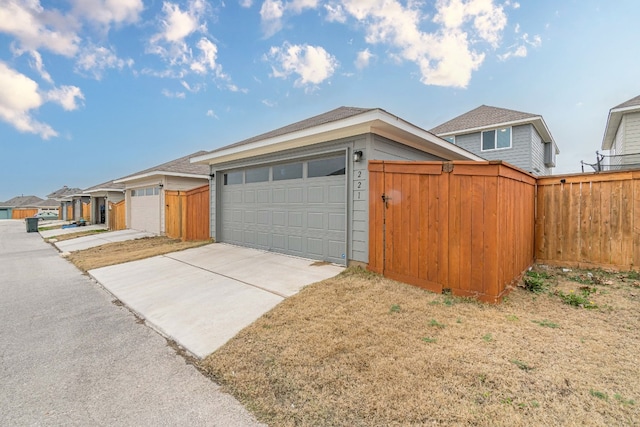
204, 296
69, 356
99, 239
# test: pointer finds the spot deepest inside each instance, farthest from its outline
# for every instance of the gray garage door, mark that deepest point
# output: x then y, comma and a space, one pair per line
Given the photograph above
296, 208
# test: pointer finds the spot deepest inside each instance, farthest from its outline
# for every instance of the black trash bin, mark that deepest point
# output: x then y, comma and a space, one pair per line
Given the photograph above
32, 224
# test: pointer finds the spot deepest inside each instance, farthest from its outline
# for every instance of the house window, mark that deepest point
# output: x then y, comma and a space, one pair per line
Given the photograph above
232, 178
133, 193
257, 175
496, 139
451, 139
288, 171
326, 167
148, 191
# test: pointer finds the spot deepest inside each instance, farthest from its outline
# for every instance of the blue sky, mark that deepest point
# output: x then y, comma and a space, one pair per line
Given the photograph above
92, 90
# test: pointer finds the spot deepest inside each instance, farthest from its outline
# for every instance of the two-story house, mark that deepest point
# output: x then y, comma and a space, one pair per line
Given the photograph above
622, 135
521, 139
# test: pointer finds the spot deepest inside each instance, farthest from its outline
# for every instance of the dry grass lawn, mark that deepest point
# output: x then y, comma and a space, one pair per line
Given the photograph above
70, 236
361, 350
131, 250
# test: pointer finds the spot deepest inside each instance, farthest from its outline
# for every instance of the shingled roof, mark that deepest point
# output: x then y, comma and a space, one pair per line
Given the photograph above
105, 186
630, 103
177, 167
63, 193
481, 117
22, 201
339, 113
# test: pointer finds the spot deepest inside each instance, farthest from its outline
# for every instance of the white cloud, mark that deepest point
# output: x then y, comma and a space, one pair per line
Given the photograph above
19, 95
207, 59
96, 59
211, 113
446, 56
169, 94
335, 13
363, 58
312, 64
39, 66
271, 14
246, 3
66, 96
297, 6
109, 11
269, 103
519, 49
35, 28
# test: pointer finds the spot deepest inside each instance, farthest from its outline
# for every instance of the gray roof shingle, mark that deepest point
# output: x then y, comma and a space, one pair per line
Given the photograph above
106, 185
630, 103
328, 117
22, 201
479, 117
177, 166
64, 192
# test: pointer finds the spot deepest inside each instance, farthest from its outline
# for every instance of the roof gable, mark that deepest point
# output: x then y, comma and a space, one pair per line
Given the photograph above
63, 192
614, 119
483, 116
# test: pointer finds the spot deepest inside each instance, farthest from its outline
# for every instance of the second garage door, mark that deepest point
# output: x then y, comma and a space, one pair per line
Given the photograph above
297, 208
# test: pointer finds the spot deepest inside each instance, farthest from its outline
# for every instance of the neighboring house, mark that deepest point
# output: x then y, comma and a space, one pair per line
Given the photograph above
81, 206
518, 138
144, 191
303, 189
29, 204
622, 135
101, 195
64, 196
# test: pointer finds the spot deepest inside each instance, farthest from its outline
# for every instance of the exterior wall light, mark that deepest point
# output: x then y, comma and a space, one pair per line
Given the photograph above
357, 155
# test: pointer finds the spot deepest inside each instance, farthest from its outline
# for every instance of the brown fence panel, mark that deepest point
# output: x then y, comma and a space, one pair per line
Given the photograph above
117, 214
196, 226
173, 214
589, 220
18, 213
187, 214
466, 226
86, 211
69, 212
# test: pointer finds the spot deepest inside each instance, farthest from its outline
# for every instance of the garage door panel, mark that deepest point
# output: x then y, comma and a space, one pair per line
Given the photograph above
304, 217
145, 213
250, 196
279, 195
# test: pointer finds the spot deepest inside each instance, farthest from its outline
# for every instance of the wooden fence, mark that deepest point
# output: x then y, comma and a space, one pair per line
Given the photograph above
86, 211
465, 226
20, 213
117, 219
69, 212
589, 220
187, 214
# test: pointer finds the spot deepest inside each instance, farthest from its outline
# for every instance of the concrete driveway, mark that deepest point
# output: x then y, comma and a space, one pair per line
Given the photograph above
99, 239
202, 297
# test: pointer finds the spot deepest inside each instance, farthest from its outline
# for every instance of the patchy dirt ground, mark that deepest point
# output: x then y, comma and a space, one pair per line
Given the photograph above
131, 250
70, 236
361, 350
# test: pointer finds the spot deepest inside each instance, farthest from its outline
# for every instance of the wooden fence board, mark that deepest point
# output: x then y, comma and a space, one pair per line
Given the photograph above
21, 213
117, 216
187, 214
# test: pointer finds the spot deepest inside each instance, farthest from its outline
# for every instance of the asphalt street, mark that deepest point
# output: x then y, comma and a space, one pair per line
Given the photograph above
70, 356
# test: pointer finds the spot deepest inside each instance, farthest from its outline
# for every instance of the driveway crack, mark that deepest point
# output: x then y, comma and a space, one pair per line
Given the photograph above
228, 277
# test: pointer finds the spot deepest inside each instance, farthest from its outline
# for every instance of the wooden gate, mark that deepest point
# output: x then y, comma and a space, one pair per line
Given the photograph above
187, 214
463, 226
117, 216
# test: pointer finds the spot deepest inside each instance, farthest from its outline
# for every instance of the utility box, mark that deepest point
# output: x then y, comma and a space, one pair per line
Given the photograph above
32, 224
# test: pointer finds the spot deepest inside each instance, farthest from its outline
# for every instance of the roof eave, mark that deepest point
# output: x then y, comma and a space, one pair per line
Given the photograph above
101, 190
373, 121
159, 173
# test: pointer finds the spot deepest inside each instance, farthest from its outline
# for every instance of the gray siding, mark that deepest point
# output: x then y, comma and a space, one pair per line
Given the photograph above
632, 134
526, 152
385, 149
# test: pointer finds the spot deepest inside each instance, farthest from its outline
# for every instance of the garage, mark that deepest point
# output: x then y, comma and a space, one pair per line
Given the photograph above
297, 208
145, 208
303, 189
